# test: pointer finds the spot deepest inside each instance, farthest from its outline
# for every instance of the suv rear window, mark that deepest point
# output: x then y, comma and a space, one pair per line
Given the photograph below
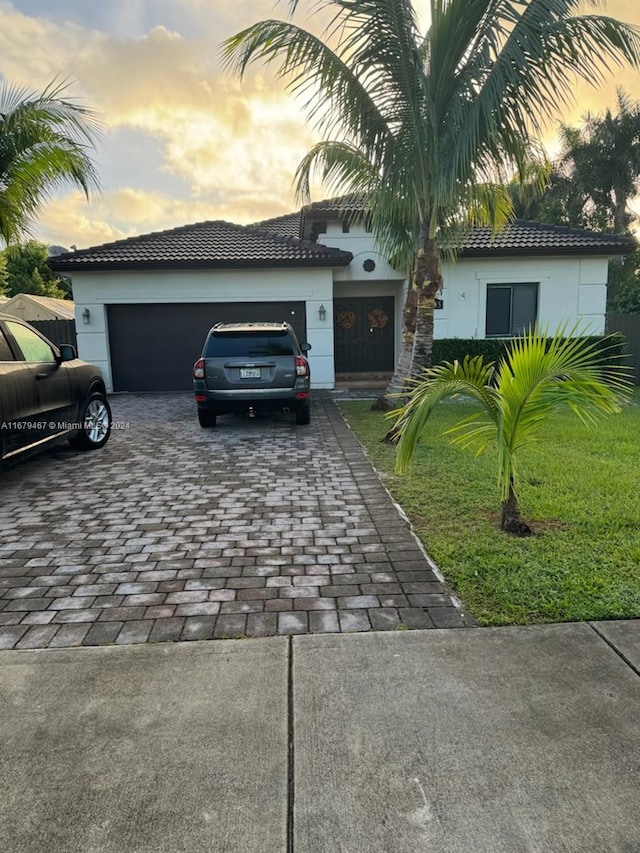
249, 344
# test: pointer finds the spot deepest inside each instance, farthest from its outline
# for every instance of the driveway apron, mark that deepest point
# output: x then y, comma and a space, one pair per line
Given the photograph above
255, 528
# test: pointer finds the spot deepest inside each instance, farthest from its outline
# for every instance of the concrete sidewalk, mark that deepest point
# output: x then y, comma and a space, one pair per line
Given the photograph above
486, 740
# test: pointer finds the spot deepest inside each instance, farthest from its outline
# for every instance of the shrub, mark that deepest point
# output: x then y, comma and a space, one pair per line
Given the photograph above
492, 349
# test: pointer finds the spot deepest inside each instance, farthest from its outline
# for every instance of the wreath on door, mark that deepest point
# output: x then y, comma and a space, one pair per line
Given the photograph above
377, 318
346, 319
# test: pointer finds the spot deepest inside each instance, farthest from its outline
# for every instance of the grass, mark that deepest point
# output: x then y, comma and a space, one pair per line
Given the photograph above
580, 489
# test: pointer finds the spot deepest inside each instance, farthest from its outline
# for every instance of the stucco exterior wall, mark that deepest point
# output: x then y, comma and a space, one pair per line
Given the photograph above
354, 280
570, 290
97, 290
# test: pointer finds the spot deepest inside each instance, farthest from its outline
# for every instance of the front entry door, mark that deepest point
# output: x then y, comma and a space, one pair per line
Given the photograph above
363, 334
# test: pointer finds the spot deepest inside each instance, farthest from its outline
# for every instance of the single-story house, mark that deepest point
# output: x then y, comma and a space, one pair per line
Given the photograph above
144, 304
29, 307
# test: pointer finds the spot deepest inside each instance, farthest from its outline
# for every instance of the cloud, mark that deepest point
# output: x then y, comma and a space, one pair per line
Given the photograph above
219, 135
34, 50
126, 212
234, 146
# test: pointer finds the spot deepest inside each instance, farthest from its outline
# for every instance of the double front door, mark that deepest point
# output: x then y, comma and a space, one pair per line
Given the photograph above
364, 334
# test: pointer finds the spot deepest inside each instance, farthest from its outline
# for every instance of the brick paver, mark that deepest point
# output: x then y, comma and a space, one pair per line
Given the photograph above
174, 533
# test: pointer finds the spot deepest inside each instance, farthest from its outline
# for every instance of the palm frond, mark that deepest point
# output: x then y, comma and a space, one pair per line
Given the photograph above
22, 109
540, 375
473, 433
471, 377
45, 142
537, 376
334, 95
432, 126
338, 164
527, 74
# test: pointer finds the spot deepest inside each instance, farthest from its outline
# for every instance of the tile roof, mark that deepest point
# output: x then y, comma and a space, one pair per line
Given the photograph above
287, 225
521, 237
274, 243
213, 244
535, 238
351, 203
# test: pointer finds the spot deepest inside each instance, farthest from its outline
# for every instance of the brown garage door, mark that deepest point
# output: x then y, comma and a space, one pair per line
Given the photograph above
153, 347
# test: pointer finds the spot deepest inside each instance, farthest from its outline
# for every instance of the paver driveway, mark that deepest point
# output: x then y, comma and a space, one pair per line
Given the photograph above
255, 528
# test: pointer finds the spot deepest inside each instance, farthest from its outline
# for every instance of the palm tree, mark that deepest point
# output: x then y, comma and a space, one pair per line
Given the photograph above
44, 143
428, 126
537, 376
591, 185
606, 160
597, 173
549, 193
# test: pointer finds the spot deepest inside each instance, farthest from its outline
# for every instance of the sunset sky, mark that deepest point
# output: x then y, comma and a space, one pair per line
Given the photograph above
183, 141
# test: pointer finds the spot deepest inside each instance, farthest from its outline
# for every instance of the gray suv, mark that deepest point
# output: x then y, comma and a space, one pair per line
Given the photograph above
252, 368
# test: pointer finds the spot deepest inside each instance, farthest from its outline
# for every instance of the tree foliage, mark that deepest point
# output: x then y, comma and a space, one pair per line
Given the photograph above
623, 293
45, 142
591, 185
4, 275
27, 272
595, 177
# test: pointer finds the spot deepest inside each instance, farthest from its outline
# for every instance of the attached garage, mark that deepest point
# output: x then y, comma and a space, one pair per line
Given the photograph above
144, 304
153, 346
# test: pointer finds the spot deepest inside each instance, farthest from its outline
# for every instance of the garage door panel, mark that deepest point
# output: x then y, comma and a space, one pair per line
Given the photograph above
153, 346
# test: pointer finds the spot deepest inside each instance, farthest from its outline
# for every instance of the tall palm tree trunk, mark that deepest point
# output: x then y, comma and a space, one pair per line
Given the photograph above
429, 274
417, 322
621, 219
392, 395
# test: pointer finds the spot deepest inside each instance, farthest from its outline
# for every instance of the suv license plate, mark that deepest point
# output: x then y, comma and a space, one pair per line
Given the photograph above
250, 373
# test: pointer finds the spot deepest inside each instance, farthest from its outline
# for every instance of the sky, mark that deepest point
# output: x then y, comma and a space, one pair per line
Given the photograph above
184, 141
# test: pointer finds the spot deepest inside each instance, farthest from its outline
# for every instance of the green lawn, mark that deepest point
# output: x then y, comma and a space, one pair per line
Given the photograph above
580, 489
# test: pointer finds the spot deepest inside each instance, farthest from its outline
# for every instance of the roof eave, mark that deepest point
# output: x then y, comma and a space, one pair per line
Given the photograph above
572, 251
96, 266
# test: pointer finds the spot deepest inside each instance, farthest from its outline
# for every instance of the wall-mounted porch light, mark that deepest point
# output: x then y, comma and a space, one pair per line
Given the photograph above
322, 313
86, 316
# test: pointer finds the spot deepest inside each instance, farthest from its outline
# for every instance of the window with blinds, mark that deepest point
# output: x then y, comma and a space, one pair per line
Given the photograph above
511, 309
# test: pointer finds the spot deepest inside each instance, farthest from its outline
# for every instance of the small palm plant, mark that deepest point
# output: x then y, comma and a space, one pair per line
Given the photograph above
537, 376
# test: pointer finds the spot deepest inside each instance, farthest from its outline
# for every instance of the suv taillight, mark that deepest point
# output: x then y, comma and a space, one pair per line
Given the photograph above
302, 368
198, 369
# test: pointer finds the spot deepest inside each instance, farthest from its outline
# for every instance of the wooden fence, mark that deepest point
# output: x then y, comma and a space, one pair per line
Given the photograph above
629, 326
58, 331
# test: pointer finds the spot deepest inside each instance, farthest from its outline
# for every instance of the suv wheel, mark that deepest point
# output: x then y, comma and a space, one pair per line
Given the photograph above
206, 419
96, 424
303, 414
